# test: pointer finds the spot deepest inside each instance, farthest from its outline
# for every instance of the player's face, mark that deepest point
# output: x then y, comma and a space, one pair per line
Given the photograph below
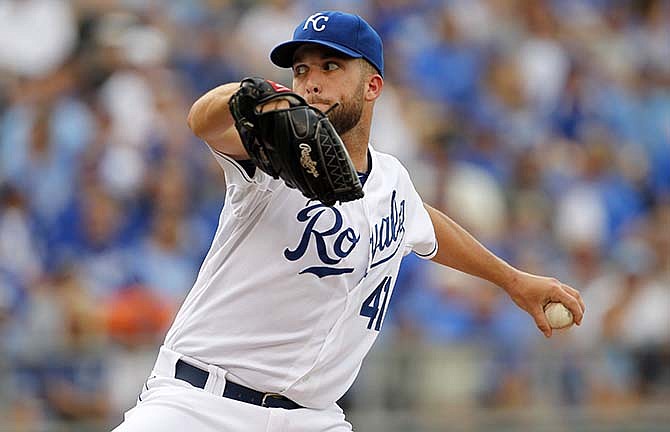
323, 77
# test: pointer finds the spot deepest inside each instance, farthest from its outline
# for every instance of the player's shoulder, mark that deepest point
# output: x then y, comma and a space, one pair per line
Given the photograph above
388, 162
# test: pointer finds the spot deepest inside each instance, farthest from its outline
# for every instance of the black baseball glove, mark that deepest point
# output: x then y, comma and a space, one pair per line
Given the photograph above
297, 144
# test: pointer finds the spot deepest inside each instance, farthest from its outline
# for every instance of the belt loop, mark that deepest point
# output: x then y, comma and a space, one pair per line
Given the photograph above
216, 381
165, 362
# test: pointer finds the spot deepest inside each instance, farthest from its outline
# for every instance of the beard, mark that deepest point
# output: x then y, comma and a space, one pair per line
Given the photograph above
347, 115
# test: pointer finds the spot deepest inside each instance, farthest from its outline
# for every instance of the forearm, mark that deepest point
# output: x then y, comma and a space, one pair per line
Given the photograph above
209, 115
460, 250
210, 120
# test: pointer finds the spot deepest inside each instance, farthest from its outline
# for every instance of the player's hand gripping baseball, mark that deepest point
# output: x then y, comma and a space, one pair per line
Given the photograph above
532, 293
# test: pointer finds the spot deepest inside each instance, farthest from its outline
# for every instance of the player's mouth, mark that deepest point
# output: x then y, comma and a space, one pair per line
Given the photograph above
323, 102
322, 105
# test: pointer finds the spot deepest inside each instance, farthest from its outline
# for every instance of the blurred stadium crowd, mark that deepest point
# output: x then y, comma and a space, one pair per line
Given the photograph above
542, 126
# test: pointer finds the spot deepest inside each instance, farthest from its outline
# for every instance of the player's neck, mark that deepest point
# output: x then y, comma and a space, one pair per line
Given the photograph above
356, 142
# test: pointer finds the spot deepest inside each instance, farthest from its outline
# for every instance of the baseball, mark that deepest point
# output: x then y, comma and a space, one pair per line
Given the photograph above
559, 316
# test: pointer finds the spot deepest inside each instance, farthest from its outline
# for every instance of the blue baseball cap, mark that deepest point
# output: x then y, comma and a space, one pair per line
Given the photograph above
348, 34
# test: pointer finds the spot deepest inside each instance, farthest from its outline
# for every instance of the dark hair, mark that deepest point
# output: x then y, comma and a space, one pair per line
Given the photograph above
367, 68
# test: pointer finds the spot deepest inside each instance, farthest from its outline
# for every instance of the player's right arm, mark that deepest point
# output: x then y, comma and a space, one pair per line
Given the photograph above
461, 251
211, 121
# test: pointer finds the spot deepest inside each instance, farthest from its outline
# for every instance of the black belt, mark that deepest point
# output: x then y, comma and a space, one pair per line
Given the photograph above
198, 377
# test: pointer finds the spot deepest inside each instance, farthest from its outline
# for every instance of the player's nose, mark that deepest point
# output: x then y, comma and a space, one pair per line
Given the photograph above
312, 86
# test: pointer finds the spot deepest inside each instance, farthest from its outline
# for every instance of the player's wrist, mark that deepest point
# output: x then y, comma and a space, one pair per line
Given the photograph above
510, 278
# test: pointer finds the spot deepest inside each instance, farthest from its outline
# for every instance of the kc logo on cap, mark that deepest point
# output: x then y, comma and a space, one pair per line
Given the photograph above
314, 21
346, 33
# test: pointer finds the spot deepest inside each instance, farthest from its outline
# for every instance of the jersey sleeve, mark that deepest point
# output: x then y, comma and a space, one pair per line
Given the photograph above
246, 188
420, 235
235, 172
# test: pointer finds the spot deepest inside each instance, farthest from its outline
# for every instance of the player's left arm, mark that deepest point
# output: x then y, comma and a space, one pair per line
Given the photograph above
461, 251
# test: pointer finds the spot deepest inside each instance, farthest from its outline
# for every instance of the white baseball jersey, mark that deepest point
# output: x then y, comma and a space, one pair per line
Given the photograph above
292, 294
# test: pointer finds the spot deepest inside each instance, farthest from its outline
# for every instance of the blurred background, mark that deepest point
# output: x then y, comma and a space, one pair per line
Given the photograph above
543, 126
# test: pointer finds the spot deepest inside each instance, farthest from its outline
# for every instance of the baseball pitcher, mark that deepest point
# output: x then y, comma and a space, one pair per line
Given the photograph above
295, 287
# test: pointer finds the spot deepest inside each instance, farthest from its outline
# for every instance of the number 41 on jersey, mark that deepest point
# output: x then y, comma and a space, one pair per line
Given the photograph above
371, 307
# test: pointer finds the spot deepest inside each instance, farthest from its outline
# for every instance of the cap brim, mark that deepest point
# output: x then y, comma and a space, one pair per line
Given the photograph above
282, 54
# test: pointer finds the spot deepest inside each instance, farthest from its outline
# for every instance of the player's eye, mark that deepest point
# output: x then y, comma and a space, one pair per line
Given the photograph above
299, 69
331, 66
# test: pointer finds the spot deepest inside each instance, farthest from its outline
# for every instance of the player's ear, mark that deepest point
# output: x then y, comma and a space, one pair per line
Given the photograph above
374, 87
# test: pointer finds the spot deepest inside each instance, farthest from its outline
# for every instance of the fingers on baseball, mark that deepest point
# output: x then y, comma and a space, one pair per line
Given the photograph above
573, 292
571, 299
577, 296
541, 321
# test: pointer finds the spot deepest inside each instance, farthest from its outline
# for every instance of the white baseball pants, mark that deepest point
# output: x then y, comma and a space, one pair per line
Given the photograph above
172, 405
